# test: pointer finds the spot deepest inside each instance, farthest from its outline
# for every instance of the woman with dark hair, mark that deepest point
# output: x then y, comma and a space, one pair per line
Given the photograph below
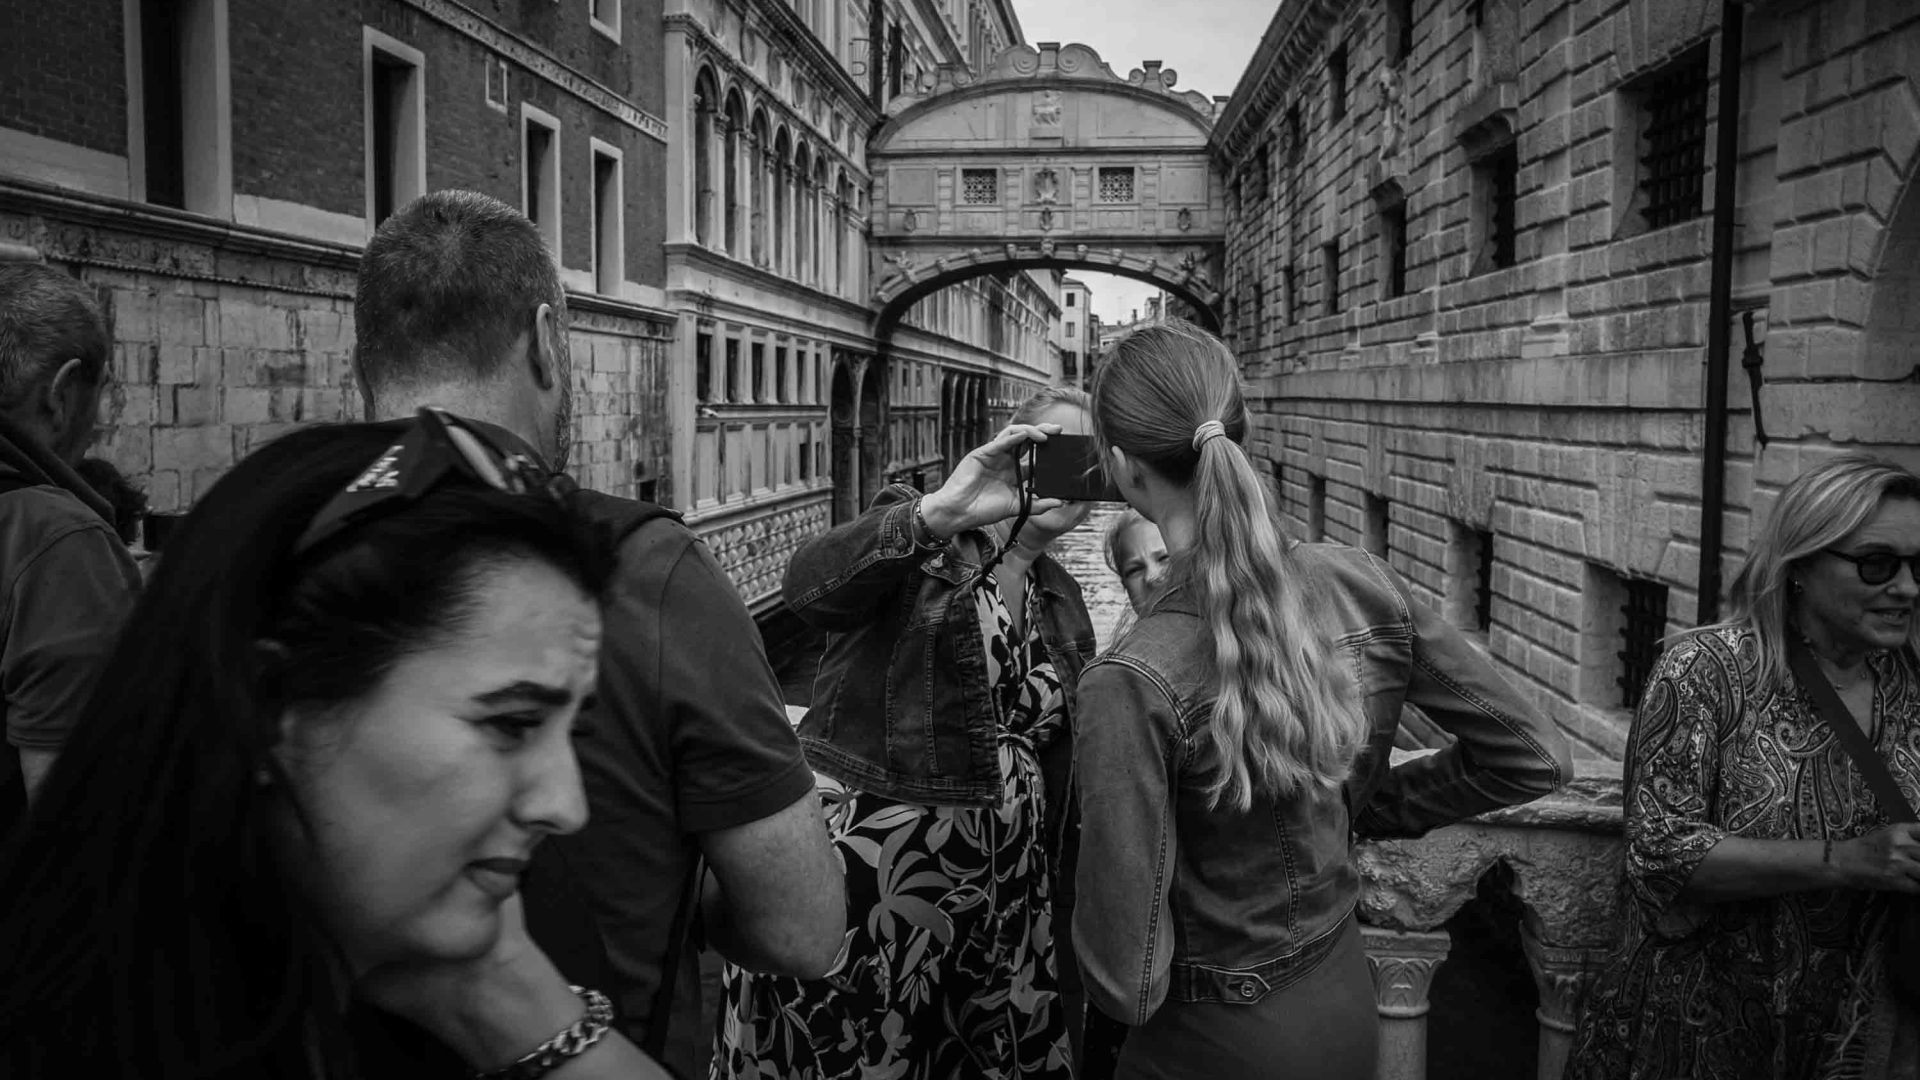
940, 732
1226, 736
1766, 875
332, 732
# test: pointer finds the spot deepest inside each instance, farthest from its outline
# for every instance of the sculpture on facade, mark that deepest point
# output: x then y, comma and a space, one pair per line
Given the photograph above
1391, 122
1046, 108
1046, 186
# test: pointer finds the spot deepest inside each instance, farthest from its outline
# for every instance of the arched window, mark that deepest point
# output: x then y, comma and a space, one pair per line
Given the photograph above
780, 180
802, 203
704, 149
735, 163
760, 189
816, 205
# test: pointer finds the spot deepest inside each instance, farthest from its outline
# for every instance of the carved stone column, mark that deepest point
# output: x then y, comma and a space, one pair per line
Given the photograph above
1403, 963
1561, 975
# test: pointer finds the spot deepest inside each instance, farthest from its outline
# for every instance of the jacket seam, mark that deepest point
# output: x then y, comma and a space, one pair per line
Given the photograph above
1511, 724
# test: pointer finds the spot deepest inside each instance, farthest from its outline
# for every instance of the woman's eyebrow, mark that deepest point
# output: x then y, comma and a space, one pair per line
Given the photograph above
528, 691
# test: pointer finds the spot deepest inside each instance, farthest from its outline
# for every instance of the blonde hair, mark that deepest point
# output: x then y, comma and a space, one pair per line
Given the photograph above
1117, 528
1046, 398
1819, 509
1286, 717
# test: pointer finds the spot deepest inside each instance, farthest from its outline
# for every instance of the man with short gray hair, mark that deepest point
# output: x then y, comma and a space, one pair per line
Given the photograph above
66, 580
690, 753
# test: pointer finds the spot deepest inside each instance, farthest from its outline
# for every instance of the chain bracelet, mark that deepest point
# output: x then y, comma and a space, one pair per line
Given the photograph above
572, 1041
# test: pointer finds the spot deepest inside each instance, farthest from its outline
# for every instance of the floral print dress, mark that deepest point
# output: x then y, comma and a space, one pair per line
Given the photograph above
1791, 987
948, 967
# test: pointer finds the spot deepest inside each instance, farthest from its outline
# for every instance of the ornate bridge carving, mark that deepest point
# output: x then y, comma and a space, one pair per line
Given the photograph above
1048, 159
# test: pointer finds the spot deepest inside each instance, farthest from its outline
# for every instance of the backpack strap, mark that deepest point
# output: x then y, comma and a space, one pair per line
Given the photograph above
1808, 674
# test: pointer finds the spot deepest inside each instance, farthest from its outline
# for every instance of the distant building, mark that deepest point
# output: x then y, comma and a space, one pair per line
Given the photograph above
1075, 341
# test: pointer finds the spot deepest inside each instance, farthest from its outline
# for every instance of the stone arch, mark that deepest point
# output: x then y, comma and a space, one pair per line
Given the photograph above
914, 283
872, 420
843, 411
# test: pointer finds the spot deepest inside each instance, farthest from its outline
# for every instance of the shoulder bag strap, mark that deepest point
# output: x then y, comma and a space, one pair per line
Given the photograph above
661, 1015
1879, 778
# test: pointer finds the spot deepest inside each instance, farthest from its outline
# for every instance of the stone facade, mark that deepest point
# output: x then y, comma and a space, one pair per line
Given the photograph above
229, 286
1471, 321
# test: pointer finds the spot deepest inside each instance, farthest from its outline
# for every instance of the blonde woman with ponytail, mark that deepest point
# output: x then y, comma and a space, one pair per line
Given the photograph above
1223, 739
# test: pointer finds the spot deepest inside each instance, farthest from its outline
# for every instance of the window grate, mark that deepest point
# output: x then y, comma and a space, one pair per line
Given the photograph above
1393, 242
1116, 183
979, 187
1503, 184
1645, 624
1673, 161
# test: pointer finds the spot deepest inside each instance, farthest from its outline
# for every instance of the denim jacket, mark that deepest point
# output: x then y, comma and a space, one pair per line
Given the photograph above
1181, 901
901, 705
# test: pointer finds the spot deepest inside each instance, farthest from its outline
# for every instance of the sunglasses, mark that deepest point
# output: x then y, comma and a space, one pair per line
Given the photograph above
1879, 567
435, 447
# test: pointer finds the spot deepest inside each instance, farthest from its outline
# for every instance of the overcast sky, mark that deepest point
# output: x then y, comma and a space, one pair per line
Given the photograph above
1206, 42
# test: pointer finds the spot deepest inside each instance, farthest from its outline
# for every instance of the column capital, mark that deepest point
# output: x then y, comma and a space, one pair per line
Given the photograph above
1402, 963
1560, 974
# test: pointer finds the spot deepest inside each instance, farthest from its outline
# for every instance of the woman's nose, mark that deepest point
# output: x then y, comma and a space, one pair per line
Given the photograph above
552, 798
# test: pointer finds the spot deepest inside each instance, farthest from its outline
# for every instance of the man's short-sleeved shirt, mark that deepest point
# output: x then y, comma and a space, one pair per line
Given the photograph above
66, 585
690, 735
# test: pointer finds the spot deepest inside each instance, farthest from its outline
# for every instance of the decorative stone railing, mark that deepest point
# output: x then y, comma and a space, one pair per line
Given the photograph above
1564, 853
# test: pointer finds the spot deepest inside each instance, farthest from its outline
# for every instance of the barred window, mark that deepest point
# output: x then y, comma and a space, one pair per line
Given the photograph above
1645, 615
1496, 182
1116, 183
1673, 155
979, 187
1330, 275
1393, 248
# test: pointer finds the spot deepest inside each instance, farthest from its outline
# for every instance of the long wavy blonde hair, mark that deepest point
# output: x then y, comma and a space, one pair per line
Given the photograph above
1286, 716
1817, 510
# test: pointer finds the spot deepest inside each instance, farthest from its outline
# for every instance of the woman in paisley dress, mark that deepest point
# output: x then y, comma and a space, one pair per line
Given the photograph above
1761, 873
950, 966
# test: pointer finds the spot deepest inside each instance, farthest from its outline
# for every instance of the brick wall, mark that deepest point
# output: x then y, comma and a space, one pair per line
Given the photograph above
63, 72
222, 343
1556, 403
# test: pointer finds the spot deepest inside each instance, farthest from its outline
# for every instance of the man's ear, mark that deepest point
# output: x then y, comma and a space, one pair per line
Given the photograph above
543, 346
66, 391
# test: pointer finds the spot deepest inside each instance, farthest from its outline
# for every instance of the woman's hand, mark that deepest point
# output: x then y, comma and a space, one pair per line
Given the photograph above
497, 1008
985, 486
1886, 859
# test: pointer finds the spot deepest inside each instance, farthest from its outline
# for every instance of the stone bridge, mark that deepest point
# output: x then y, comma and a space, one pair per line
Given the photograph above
1049, 159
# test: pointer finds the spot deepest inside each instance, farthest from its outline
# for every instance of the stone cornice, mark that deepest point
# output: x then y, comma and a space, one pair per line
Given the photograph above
820, 63
541, 62
1051, 66
1291, 39
712, 262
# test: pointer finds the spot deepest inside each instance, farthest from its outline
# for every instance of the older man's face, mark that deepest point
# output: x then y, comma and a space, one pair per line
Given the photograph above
80, 418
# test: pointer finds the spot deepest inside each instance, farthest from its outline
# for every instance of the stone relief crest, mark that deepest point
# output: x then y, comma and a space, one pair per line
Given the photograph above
1046, 186
1046, 248
1046, 108
1046, 218
911, 221
1185, 219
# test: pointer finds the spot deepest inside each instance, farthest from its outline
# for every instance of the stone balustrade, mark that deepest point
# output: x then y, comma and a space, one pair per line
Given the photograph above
1564, 855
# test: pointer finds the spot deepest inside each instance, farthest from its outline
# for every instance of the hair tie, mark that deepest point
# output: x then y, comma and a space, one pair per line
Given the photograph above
1212, 429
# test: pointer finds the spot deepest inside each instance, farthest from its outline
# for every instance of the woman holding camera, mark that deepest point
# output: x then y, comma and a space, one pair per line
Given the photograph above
940, 729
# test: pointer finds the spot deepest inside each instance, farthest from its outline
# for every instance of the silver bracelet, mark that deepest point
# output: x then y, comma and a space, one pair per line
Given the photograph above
572, 1041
